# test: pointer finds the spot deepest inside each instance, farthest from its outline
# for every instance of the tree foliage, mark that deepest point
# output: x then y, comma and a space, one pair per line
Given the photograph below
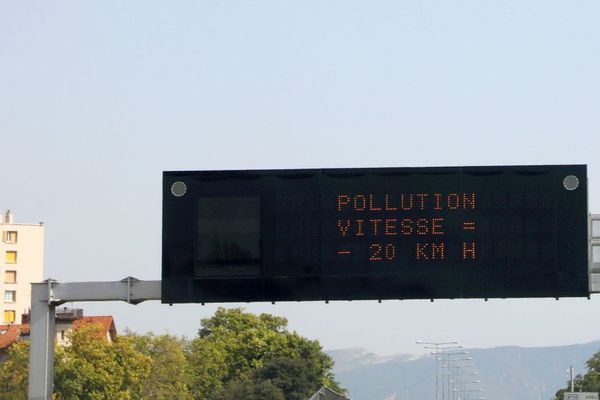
249, 390
589, 382
14, 372
91, 367
236, 355
295, 377
285, 378
168, 377
233, 344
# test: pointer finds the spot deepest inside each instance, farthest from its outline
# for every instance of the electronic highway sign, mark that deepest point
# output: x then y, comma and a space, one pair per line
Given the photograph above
375, 233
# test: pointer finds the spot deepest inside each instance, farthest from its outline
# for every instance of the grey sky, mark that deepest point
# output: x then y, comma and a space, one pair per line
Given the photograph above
98, 98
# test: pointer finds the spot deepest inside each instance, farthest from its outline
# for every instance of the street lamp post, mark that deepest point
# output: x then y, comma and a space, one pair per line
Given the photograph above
464, 386
444, 360
452, 384
457, 383
571, 372
467, 391
449, 364
437, 351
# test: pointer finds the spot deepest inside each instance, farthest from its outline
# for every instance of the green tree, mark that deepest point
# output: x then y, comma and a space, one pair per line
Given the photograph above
207, 367
589, 382
249, 390
91, 367
168, 377
235, 355
295, 377
14, 372
233, 344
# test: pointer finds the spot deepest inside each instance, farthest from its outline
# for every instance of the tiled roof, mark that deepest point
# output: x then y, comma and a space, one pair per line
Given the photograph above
11, 335
107, 322
24, 327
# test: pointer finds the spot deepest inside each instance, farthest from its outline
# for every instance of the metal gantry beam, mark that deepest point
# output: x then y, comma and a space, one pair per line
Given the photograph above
45, 296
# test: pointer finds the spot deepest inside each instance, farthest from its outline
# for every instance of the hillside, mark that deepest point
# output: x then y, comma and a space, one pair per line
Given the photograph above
507, 373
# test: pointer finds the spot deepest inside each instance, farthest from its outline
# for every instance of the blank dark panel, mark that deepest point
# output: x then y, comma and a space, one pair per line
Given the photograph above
228, 236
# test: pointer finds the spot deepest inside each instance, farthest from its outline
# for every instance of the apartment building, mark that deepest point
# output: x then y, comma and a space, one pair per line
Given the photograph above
21, 263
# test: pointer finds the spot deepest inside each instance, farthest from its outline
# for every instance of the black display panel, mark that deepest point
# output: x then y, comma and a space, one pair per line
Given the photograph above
377, 233
228, 236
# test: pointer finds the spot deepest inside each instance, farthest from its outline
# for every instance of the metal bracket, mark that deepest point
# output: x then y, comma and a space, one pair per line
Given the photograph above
594, 252
45, 296
129, 289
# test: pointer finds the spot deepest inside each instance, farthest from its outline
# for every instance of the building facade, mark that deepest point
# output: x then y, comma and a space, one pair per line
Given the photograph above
66, 321
21, 263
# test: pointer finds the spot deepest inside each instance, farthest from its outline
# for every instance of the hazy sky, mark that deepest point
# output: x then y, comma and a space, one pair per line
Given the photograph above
98, 98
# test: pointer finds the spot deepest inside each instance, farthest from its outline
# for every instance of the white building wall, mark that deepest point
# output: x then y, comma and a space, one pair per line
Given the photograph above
29, 265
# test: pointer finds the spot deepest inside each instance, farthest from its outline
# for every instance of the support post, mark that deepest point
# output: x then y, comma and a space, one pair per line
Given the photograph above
41, 344
45, 296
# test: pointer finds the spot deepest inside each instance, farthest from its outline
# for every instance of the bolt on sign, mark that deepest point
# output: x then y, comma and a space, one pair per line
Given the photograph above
375, 233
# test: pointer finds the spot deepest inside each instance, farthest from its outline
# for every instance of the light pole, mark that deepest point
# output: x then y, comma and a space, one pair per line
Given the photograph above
444, 360
457, 382
437, 351
571, 371
464, 385
449, 364
467, 391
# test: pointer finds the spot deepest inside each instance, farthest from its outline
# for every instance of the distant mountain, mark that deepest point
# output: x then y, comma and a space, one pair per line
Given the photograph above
506, 373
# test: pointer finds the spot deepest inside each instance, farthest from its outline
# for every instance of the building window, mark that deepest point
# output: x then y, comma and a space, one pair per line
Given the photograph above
11, 257
9, 316
9, 237
10, 296
10, 277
